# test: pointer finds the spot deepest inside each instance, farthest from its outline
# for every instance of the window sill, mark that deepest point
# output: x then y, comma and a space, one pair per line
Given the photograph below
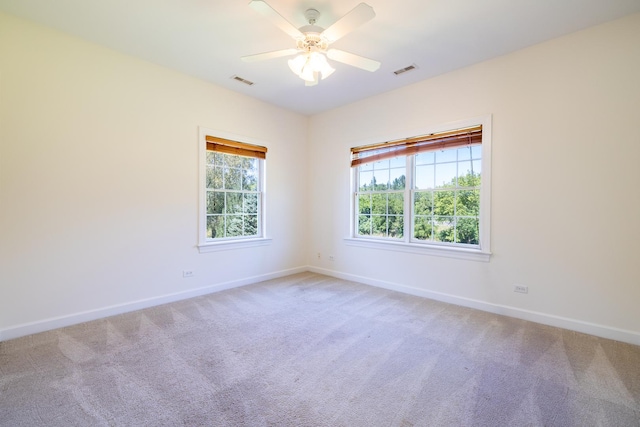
443, 251
232, 244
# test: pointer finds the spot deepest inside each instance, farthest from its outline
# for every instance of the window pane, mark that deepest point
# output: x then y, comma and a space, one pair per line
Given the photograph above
468, 203
423, 203
366, 167
234, 203
210, 157
232, 161
396, 226
210, 177
398, 162
364, 204
234, 225
379, 204
364, 225
214, 178
476, 152
215, 158
382, 164
464, 169
477, 167
250, 225
397, 179
425, 158
215, 202
396, 204
469, 180
467, 231
250, 203
380, 226
232, 179
366, 181
249, 180
446, 175
250, 163
249, 174
215, 226
422, 228
446, 155
425, 177
381, 179
444, 203
464, 153
443, 229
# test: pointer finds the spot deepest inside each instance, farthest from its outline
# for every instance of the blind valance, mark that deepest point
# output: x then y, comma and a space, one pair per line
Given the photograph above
403, 147
228, 146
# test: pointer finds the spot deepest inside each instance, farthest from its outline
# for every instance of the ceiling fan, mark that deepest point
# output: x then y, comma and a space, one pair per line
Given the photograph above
312, 42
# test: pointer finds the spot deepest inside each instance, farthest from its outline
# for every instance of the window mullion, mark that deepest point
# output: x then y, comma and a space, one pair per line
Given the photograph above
408, 198
355, 202
455, 198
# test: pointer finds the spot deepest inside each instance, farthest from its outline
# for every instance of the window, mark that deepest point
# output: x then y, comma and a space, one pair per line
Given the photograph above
446, 195
428, 193
380, 195
232, 196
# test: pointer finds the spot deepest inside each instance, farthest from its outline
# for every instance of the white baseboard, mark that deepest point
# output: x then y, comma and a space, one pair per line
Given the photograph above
86, 316
533, 316
630, 337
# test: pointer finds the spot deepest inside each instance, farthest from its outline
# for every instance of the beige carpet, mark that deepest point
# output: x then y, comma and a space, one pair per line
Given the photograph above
310, 350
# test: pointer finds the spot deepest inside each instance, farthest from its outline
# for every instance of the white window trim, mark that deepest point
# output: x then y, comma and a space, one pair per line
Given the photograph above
483, 252
232, 244
205, 245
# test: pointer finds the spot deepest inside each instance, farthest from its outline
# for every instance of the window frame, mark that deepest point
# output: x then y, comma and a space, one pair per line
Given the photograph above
408, 243
211, 245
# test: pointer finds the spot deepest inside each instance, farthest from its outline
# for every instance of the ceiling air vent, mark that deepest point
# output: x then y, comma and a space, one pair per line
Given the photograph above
241, 80
405, 69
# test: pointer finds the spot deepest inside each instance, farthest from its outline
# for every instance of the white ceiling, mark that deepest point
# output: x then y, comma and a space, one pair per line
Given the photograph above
206, 38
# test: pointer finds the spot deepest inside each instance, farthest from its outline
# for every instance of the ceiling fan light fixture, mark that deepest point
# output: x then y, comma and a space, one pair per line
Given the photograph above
308, 74
308, 65
327, 72
319, 64
297, 64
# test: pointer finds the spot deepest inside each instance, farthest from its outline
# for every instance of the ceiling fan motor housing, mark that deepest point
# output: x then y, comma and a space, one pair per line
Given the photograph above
312, 42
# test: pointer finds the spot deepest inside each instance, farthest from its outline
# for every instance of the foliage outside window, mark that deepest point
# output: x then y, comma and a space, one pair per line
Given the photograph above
232, 196
422, 191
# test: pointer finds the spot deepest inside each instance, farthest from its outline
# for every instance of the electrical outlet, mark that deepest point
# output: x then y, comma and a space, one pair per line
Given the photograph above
330, 257
318, 255
187, 273
521, 289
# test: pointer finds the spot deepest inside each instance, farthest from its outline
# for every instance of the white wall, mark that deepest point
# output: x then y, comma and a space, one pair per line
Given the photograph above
565, 202
99, 181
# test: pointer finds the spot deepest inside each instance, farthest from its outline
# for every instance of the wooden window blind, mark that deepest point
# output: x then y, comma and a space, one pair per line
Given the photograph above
228, 146
419, 144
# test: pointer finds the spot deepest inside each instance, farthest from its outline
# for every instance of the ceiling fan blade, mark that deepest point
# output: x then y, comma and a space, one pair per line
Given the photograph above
353, 60
353, 19
267, 11
269, 55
